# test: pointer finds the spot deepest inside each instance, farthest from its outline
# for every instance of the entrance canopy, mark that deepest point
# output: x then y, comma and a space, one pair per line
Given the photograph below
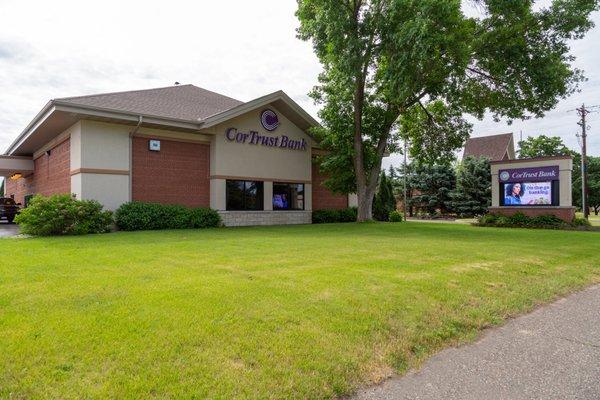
11, 165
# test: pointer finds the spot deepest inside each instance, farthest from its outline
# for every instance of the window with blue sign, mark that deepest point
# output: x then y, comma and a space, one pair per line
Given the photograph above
244, 195
288, 196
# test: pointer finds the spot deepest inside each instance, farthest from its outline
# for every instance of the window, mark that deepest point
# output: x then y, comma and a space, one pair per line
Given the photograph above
244, 195
288, 196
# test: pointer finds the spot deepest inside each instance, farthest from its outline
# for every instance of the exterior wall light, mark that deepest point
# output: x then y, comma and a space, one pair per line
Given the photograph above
16, 176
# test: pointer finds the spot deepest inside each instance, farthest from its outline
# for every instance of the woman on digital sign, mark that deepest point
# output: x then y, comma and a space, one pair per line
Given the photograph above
513, 194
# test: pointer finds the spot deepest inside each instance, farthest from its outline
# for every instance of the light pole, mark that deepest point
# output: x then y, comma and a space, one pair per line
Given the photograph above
405, 180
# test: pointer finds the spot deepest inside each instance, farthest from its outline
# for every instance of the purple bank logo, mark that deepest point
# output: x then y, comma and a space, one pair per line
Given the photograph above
504, 176
269, 120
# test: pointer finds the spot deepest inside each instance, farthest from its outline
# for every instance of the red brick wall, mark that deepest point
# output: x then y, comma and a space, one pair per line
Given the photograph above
177, 174
51, 175
323, 198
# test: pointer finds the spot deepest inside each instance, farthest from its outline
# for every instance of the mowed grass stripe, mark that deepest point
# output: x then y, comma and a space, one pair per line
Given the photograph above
264, 312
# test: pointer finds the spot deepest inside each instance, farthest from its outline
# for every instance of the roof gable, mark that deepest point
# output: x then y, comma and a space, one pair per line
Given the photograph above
494, 147
279, 100
184, 102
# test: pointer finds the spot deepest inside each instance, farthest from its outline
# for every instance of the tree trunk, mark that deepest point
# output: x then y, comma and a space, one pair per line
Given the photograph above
365, 206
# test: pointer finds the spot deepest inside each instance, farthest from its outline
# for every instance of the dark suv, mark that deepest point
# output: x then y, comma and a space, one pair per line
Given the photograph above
8, 209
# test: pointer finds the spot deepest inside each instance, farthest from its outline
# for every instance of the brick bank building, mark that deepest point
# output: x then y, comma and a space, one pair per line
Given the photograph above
253, 161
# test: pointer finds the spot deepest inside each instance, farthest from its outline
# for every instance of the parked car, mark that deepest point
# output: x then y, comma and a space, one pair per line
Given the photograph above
8, 209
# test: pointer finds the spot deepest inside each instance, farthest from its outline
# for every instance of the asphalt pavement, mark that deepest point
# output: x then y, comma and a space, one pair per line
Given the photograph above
551, 353
7, 229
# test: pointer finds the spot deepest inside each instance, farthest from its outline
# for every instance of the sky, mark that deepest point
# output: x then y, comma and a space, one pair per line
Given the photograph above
243, 49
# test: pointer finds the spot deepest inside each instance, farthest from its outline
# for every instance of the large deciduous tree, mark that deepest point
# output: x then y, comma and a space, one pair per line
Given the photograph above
386, 59
543, 146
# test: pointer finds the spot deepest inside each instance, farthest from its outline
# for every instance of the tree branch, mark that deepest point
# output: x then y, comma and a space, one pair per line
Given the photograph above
485, 75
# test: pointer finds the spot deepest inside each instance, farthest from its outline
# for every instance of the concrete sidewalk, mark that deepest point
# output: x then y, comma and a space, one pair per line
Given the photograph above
552, 353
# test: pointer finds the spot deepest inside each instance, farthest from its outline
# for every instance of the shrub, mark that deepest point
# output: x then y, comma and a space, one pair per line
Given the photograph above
136, 216
503, 221
348, 214
488, 219
519, 220
395, 216
580, 222
332, 216
63, 215
204, 218
547, 221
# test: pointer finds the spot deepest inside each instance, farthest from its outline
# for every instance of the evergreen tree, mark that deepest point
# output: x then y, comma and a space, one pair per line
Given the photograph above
473, 192
432, 185
385, 201
395, 180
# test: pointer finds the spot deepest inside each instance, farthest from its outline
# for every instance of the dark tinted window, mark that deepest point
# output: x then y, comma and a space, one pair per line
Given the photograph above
7, 201
244, 195
288, 196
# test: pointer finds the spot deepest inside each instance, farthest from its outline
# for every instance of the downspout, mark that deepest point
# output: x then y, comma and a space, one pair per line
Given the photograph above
131, 134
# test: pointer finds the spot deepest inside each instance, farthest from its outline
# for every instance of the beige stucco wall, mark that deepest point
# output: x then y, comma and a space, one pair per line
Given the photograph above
75, 149
565, 167
217, 194
104, 146
101, 147
232, 159
110, 190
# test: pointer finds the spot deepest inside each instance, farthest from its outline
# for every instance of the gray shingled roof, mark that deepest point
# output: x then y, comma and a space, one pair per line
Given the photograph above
186, 102
493, 147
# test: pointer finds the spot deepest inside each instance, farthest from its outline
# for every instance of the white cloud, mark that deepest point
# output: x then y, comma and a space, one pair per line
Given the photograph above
66, 48
243, 49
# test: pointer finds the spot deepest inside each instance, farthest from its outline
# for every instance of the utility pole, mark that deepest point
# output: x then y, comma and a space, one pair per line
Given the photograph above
404, 174
582, 111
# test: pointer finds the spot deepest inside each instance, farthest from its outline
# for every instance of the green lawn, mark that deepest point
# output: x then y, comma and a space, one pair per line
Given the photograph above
594, 219
266, 312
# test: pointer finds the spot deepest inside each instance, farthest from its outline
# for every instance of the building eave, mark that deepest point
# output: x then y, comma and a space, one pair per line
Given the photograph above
81, 112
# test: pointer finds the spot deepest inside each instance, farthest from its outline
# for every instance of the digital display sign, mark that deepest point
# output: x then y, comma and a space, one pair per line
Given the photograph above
527, 193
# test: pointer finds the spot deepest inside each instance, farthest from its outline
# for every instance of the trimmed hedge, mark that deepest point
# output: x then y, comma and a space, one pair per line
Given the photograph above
396, 216
520, 220
62, 214
333, 216
139, 216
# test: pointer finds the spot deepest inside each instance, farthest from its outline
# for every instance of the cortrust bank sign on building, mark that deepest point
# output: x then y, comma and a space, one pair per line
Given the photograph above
253, 162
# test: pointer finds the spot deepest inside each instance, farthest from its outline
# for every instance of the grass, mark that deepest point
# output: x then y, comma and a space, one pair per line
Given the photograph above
594, 219
265, 312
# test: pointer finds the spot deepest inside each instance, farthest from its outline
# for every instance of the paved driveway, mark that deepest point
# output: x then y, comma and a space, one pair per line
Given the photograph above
552, 353
8, 229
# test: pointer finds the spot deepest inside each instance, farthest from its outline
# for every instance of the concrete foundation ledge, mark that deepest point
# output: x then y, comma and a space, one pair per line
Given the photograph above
251, 218
565, 213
